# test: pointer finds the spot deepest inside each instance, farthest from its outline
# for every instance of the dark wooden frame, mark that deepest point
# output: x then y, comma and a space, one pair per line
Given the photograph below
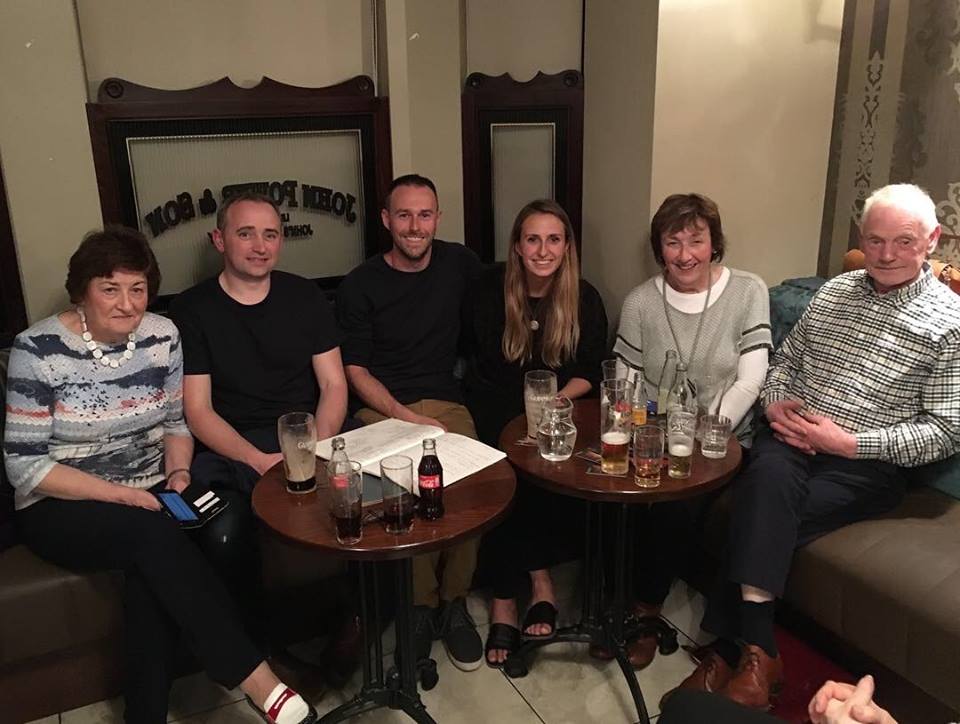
13, 311
500, 99
124, 109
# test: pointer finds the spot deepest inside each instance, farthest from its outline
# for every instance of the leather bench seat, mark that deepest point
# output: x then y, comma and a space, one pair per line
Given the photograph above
45, 609
891, 588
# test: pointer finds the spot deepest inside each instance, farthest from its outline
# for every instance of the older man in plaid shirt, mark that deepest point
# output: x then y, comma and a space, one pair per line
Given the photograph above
866, 384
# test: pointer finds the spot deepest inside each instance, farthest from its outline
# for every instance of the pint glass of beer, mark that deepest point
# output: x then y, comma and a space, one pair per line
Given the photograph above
616, 420
298, 443
681, 432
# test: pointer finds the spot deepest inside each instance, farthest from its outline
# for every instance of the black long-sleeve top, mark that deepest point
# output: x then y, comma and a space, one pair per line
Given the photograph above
494, 387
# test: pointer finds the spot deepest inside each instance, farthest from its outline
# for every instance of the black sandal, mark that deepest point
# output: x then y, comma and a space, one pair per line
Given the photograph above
540, 613
501, 636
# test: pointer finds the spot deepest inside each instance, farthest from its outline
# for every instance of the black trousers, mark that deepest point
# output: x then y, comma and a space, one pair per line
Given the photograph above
784, 499
170, 590
542, 530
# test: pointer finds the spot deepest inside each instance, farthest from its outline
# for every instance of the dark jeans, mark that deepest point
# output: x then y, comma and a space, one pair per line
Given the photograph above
170, 589
784, 499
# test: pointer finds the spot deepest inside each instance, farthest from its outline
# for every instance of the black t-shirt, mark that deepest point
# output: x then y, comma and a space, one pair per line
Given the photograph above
258, 356
404, 326
494, 387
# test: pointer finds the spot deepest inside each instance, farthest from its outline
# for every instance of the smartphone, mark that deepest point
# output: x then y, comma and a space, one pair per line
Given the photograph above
177, 507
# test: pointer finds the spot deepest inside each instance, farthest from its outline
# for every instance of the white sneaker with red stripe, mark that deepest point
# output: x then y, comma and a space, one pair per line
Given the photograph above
285, 706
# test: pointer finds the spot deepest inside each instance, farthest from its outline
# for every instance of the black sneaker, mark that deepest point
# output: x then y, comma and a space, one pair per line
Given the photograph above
460, 636
424, 630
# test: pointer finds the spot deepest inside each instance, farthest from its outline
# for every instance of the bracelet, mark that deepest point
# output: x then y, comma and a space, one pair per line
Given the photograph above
178, 470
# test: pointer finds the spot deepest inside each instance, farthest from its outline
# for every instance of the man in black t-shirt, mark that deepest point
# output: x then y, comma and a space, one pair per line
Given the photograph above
400, 313
257, 343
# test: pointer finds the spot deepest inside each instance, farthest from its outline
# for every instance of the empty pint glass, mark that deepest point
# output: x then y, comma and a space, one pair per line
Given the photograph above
647, 455
298, 443
539, 386
399, 503
616, 419
681, 432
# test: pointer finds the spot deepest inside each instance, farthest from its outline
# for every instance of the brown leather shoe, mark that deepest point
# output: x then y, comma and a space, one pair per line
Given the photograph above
711, 674
758, 679
640, 650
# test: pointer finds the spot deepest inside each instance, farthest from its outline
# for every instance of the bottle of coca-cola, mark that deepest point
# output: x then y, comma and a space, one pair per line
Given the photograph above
430, 482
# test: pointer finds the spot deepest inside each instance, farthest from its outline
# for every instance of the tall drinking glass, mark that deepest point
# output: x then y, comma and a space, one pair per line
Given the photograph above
681, 432
616, 419
298, 442
612, 369
539, 386
647, 455
346, 499
399, 504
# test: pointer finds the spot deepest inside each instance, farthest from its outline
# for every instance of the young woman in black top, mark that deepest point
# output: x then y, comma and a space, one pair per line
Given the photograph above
536, 313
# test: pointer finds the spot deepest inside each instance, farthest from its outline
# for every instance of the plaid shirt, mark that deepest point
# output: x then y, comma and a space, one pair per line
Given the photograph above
885, 367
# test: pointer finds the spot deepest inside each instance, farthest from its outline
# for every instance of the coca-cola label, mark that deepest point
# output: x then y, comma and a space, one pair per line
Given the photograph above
429, 481
340, 481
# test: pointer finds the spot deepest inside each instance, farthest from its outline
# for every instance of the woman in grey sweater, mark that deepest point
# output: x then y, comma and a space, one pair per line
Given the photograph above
718, 321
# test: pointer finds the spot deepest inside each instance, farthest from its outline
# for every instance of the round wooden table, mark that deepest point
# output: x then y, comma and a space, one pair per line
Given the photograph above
472, 506
609, 626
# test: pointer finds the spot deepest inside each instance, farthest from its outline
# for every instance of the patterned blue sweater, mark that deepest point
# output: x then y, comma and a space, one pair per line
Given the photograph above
65, 407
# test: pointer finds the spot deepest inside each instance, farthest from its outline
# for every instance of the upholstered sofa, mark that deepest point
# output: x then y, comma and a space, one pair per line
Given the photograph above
884, 594
61, 632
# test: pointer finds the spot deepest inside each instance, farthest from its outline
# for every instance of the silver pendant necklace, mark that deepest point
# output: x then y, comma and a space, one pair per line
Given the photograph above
703, 313
95, 348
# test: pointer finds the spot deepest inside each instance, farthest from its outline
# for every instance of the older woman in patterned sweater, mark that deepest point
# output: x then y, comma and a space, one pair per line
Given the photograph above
94, 428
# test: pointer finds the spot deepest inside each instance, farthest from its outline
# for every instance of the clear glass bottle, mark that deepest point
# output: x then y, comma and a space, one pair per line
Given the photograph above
667, 377
638, 400
338, 455
556, 433
683, 395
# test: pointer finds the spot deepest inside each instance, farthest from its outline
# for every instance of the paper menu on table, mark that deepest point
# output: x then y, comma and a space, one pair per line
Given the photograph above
460, 456
368, 445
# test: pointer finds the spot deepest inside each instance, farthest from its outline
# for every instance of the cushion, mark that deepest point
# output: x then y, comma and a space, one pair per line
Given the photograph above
944, 475
787, 302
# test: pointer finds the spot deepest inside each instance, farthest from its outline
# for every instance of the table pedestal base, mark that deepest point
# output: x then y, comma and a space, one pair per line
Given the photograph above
398, 688
611, 628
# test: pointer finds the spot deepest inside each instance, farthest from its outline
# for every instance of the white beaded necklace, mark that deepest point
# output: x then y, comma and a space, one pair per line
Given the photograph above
95, 348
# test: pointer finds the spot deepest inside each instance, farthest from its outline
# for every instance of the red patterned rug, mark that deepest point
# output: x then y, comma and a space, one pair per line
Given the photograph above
806, 670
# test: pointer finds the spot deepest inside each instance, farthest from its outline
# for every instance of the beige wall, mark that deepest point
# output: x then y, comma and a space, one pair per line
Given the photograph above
619, 69
744, 105
183, 43
45, 145
520, 37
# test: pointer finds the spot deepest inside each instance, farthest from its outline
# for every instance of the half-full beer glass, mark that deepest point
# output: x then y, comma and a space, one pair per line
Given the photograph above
681, 432
298, 443
616, 419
